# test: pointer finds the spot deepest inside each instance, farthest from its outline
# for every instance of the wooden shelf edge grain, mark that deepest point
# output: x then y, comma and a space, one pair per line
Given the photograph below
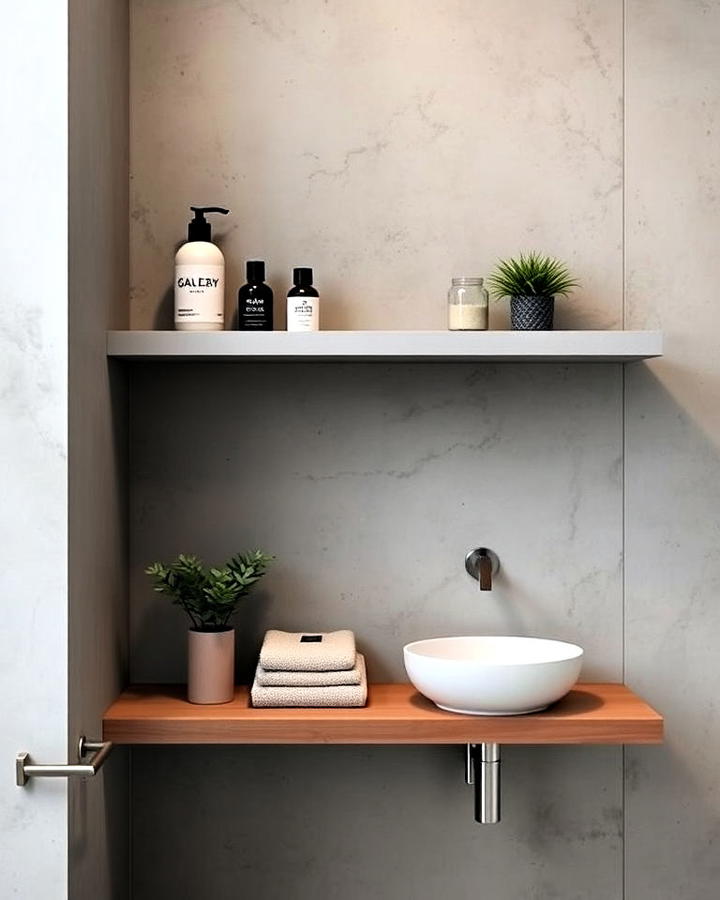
395, 714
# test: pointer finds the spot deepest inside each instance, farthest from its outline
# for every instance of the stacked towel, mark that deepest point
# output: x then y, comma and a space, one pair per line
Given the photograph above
309, 669
286, 651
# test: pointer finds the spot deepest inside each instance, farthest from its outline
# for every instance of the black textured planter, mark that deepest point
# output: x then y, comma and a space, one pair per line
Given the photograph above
532, 313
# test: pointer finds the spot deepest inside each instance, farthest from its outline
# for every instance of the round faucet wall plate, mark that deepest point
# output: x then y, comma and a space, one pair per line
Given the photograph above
472, 561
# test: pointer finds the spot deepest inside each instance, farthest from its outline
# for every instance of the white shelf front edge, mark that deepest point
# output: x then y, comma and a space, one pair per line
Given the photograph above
479, 346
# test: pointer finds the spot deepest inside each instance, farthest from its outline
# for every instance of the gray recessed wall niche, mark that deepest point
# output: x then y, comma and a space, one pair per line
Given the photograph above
391, 146
370, 483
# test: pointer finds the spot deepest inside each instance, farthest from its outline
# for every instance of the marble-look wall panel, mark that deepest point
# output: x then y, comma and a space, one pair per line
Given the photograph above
673, 444
389, 145
370, 483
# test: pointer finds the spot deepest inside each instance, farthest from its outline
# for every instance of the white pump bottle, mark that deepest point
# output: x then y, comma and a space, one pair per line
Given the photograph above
200, 277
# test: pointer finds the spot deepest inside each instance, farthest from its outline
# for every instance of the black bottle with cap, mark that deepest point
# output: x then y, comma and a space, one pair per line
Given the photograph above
303, 304
255, 300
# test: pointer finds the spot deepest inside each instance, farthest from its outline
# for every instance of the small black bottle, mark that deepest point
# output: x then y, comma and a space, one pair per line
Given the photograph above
303, 303
255, 300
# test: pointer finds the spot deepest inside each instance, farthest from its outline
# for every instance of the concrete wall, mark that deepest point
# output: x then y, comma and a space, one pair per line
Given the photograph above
391, 146
370, 483
673, 444
33, 444
98, 278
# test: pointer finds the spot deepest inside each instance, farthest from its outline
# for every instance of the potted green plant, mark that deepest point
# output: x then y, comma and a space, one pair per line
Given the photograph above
209, 597
532, 281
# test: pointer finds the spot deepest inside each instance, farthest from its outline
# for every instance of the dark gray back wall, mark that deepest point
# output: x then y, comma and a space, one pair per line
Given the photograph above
370, 483
387, 823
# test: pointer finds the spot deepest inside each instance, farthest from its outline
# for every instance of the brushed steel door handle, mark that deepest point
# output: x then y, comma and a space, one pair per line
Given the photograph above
91, 756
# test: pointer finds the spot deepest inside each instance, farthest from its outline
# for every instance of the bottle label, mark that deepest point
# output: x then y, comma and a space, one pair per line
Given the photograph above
303, 314
200, 294
255, 314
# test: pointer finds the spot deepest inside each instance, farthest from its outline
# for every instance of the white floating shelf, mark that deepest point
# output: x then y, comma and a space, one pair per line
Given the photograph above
411, 346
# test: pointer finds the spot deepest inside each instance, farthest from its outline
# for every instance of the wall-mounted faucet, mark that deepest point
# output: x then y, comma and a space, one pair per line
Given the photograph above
482, 564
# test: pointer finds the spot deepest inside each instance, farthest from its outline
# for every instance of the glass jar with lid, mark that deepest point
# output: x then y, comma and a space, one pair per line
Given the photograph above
467, 305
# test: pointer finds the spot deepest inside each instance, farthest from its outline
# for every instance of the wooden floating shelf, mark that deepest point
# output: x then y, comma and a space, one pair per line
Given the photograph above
386, 346
395, 714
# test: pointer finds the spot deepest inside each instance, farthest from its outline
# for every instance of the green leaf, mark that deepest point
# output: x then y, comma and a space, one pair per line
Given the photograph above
209, 596
531, 274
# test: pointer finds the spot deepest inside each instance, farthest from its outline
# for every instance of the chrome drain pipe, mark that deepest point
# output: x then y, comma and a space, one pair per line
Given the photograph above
482, 770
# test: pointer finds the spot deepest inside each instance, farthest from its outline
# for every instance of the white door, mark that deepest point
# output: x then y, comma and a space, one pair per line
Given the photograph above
33, 445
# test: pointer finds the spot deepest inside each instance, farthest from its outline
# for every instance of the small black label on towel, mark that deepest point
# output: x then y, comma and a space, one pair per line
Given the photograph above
311, 639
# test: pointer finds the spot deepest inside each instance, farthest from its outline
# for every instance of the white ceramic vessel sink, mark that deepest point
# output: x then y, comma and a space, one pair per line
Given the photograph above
493, 676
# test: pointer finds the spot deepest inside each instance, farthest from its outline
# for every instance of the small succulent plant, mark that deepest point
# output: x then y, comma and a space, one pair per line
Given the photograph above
531, 275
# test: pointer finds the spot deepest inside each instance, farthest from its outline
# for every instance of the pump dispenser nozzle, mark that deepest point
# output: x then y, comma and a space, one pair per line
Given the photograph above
200, 229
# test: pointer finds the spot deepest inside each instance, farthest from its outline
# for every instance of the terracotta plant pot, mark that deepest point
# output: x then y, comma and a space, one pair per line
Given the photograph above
211, 666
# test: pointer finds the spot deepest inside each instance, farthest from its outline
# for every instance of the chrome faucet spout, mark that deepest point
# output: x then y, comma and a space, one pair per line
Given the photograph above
482, 564
484, 571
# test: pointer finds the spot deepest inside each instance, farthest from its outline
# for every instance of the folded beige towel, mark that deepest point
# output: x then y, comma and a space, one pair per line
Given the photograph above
340, 695
308, 651
270, 678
